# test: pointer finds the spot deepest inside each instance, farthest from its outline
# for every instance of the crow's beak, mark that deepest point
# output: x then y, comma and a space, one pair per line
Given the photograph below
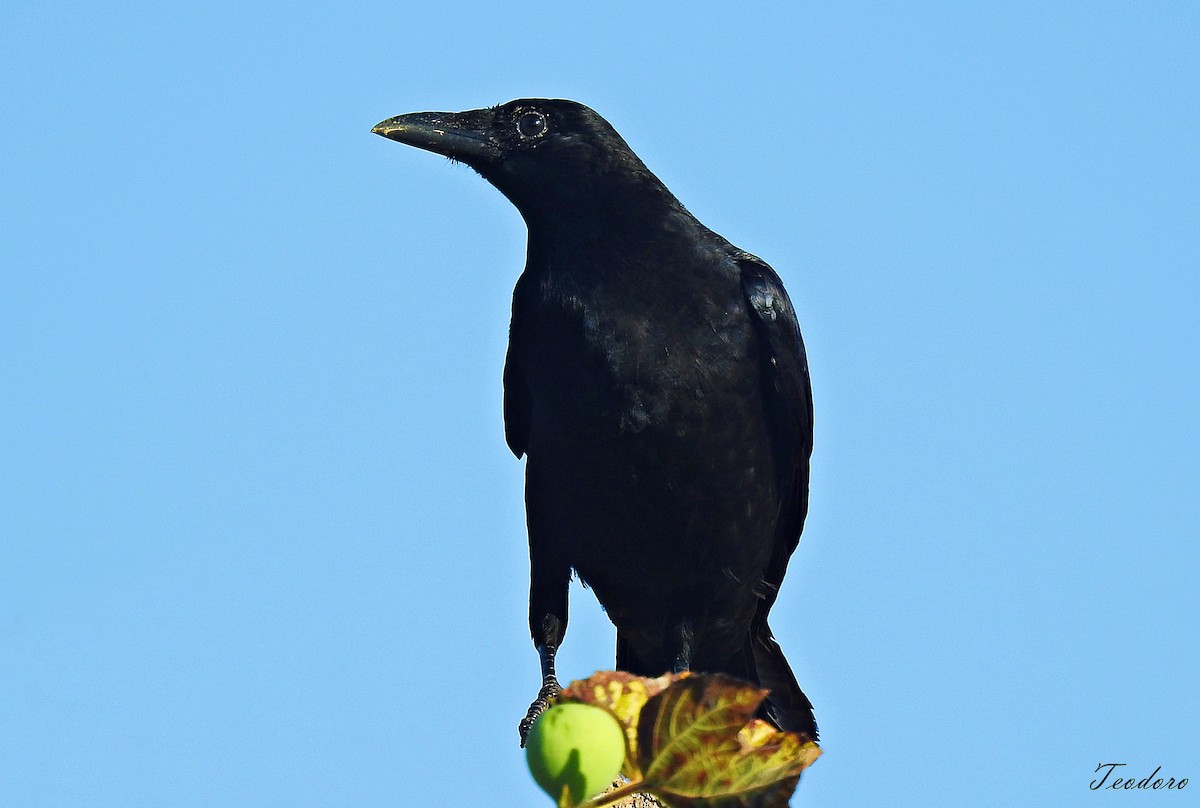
461, 135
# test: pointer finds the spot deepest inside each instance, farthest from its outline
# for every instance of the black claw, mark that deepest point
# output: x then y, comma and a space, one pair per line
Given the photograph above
546, 695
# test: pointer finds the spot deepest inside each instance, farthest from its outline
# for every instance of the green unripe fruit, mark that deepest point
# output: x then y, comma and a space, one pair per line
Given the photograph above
577, 746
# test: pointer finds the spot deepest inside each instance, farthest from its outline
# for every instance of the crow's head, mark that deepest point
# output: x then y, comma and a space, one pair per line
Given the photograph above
550, 157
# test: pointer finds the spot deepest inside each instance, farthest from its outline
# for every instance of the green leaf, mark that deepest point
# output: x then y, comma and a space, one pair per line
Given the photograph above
699, 746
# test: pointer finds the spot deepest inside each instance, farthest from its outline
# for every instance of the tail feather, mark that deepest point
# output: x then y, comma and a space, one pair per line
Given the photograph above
787, 707
628, 660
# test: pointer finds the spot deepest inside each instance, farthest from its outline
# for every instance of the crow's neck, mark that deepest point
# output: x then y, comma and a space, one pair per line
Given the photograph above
610, 215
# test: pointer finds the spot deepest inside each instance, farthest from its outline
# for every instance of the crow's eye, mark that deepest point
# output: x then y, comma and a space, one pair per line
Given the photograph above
532, 124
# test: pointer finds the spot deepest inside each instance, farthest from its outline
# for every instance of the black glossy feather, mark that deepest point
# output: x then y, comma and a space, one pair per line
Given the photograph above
656, 383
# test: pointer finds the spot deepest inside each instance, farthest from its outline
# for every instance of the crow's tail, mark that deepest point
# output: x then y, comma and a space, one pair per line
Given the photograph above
759, 661
787, 707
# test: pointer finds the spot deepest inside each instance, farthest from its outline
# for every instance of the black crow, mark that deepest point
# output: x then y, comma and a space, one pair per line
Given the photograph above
657, 384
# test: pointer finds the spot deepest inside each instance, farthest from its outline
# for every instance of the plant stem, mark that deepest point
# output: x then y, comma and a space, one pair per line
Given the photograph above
609, 797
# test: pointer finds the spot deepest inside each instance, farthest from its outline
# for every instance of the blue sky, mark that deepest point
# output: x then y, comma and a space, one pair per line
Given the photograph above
261, 542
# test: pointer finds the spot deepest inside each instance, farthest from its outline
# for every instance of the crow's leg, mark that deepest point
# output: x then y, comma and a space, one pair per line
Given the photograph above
680, 646
550, 690
549, 584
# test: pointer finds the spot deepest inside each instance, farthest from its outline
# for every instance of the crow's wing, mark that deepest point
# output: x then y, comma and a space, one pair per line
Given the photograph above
788, 395
516, 406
